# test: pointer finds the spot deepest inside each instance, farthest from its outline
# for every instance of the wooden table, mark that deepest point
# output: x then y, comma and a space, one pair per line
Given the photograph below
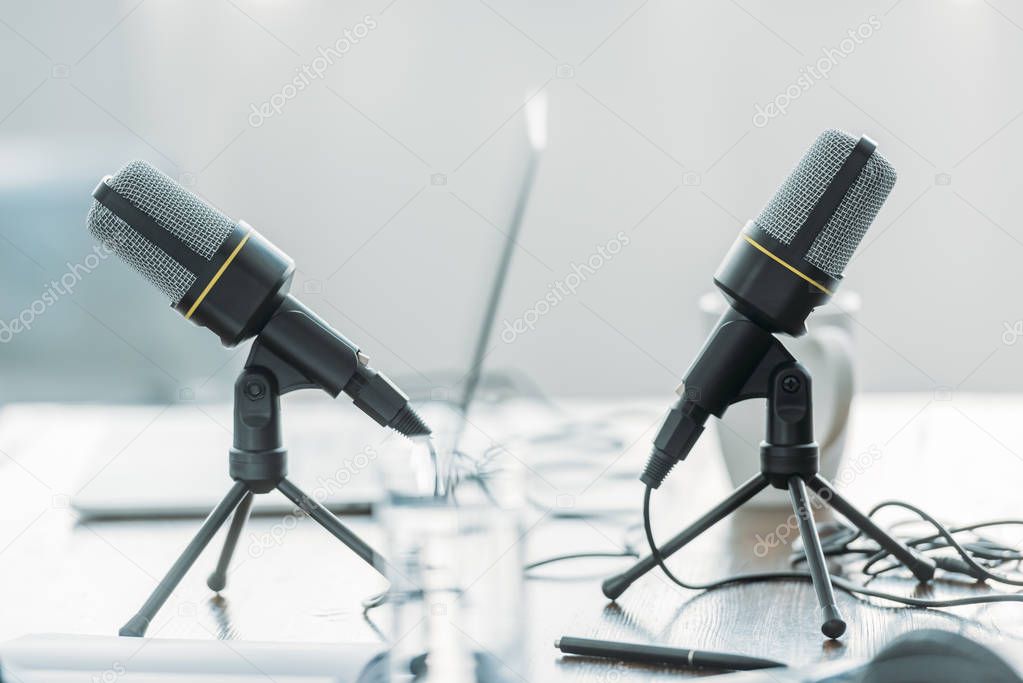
958, 457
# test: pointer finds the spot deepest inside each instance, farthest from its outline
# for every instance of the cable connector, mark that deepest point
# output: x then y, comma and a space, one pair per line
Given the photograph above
382, 400
657, 468
679, 433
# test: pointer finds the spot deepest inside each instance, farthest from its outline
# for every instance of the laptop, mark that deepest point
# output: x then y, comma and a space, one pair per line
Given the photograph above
173, 462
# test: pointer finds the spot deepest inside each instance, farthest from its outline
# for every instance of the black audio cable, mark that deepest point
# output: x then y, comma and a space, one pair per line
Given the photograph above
838, 544
837, 581
580, 556
942, 540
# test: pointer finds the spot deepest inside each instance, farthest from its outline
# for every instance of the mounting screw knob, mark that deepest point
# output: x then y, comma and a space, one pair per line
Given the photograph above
791, 384
255, 390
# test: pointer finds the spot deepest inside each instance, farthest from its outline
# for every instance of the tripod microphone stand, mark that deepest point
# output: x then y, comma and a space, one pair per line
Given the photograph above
789, 459
258, 464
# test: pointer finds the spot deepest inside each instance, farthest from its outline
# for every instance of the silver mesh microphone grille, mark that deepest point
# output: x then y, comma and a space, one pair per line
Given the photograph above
792, 203
201, 227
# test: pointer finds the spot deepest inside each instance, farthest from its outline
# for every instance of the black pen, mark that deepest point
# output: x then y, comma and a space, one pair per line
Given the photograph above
654, 654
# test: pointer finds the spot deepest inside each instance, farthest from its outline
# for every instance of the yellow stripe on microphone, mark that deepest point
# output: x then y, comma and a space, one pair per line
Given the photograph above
786, 265
217, 275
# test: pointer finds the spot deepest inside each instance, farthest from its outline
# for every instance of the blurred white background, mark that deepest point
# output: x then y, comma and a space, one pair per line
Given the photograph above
381, 177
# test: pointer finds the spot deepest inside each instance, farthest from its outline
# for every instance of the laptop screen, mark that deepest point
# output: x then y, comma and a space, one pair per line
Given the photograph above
448, 254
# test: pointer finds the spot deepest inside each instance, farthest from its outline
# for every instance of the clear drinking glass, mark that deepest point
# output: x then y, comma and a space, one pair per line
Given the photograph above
455, 550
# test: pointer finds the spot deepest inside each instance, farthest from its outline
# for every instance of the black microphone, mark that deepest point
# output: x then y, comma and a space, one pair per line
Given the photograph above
786, 262
225, 276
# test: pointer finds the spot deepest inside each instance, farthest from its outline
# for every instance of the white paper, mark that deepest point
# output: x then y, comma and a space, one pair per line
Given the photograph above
59, 658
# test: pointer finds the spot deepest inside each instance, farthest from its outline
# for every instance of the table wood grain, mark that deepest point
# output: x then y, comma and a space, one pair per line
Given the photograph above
958, 458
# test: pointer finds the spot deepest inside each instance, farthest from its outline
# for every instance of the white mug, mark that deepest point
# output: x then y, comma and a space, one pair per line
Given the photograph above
827, 352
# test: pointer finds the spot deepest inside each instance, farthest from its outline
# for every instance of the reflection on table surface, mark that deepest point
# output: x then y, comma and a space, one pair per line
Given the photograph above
959, 459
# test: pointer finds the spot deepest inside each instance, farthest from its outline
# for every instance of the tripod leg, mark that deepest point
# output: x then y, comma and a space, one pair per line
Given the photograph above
616, 585
137, 625
833, 624
922, 568
328, 521
218, 579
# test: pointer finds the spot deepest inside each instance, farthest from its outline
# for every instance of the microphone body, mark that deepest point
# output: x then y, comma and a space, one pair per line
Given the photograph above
226, 277
783, 265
